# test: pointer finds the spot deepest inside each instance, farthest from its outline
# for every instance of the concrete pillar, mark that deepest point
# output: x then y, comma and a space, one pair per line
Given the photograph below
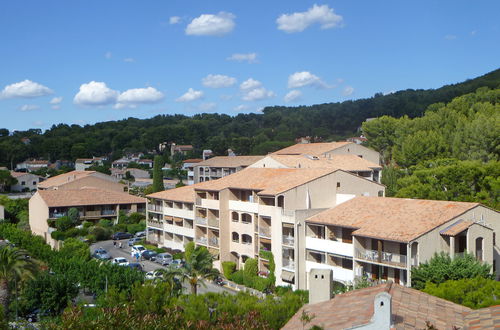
452, 246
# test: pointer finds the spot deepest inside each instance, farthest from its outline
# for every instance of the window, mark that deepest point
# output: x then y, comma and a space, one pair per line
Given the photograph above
23, 183
338, 184
34, 183
346, 263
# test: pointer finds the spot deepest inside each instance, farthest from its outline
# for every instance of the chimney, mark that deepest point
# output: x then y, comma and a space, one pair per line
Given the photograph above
382, 312
320, 285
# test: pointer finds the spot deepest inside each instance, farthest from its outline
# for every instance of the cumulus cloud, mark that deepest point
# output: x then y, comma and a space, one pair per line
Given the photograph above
258, 94
56, 102
249, 57
293, 95
347, 91
298, 22
190, 95
29, 107
305, 78
95, 93
174, 20
211, 25
24, 89
250, 84
133, 97
218, 81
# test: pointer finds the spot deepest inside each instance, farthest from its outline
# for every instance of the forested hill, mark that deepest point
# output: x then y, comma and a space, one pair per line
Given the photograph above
245, 133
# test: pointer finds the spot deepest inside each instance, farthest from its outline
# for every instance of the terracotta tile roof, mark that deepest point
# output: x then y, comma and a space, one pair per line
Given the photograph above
230, 161
268, 181
87, 196
456, 228
182, 194
376, 216
64, 178
19, 174
313, 149
37, 162
484, 318
192, 160
410, 310
343, 162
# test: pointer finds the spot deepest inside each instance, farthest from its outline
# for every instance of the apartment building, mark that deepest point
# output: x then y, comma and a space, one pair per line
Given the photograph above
348, 162
81, 164
221, 166
46, 206
329, 149
79, 179
25, 181
257, 210
383, 238
170, 217
188, 165
31, 165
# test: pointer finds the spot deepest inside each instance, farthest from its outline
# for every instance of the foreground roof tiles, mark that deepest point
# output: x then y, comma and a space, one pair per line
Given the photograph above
64, 178
87, 196
410, 310
344, 162
313, 149
182, 194
376, 216
230, 161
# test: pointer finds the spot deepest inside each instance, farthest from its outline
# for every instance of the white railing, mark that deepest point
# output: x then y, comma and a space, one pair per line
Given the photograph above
383, 257
155, 208
289, 240
200, 221
213, 241
201, 240
289, 264
265, 231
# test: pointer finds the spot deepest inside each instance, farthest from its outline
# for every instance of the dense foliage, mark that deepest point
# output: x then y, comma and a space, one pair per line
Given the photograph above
275, 128
442, 268
478, 292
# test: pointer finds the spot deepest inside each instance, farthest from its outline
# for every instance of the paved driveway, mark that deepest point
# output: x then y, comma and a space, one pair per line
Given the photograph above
147, 265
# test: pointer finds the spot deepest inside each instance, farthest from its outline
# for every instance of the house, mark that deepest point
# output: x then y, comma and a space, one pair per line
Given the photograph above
46, 206
181, 148
171, 217
188, 165
81, 164
121, 163
218, 167
25, 181
145, 162
357, 139
79, 179
328, 149
257, 209
383, 238
349, 162
392, 306
32, 165
137, 173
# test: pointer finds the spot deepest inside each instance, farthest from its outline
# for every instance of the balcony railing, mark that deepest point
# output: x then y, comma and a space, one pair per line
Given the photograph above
56, 215
92, 213
383, 257
155, 208
156, 224
213, 222
265, 231
200, 221
201, 240
289, 240
214, 241
108, 212
289, 264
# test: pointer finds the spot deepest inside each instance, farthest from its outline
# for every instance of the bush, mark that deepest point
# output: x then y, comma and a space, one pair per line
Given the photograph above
282, 290
72, 232
237, 277
228, 268
91, 238
58, 235
87, 224
260, 283
100, 233
121, 227
106, 223
136, 227
179, 255
251, 267
136, 217
64, 223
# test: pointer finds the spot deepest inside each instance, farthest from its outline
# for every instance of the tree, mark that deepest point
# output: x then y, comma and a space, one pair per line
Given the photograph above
74, 248
6, 180
158, 175
74, 215
442, 268
198, 267
15, 266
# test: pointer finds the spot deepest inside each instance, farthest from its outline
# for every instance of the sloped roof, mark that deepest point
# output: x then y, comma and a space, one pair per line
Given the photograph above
410, 310
230, 161
87, 196
456, 228
64, 178
19, 174
313, 149
183, 194
397, 219
343, 162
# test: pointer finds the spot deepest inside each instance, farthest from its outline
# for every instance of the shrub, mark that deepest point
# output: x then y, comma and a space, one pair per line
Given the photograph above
237, 277
251, 267
121, 227
87, 224
228, 268
136, 217
134, 228
64, 223
260, 283
106, 223
282, 290
58, 235
74, 215
91, 238
179, 255
72, 232
100, 233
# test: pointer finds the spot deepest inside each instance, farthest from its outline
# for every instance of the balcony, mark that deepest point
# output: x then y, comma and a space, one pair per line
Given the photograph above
244, 206
200, 221
56, 215
388, 258
289, 264
335, 247
214, 241
155, 208
213, 223
108, 212
92, 213
289, 240
201, 240
265, 231
155, 224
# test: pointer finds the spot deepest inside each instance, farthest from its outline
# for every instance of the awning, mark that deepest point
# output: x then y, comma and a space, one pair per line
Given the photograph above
456, 228
288, 276
265, 240
177, 219
168, 218
288, 225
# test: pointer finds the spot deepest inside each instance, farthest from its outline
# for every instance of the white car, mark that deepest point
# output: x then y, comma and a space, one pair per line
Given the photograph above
120, 261
153, 275
137, 249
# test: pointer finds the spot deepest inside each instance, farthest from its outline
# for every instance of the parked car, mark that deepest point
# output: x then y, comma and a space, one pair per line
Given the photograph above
164, 259
149, 255
220, 281
154, 275
120, 235
137, 249
134, 240
101, 254
135, 265
120, 261
140, 234
177, 263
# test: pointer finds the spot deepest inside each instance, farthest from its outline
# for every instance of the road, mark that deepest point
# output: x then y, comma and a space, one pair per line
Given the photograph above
148, 266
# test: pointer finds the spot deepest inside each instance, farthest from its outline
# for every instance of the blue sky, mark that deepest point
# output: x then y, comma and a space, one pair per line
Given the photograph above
88, 61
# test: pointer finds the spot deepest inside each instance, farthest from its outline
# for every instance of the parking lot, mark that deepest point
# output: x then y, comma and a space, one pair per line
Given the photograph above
147, 266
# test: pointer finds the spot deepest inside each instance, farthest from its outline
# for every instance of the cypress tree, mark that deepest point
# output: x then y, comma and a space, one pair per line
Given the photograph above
158, 174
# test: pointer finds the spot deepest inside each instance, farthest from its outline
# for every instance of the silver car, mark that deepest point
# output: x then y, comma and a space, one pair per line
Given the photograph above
164, 259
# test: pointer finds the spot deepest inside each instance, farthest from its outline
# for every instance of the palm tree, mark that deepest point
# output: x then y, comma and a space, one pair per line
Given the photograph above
198, 267
15, 265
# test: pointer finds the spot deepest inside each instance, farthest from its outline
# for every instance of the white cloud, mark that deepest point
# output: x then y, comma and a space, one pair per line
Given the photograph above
293, 95
190, 95
348, 90
250, 84
218, 81
133, 97
207, 106
258, 94
250, 57
29, 107
211, 25
108, 55
24, 89
129, 60
174, 20
298, 22
305, 78
95, 93
241, 107
56, 101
